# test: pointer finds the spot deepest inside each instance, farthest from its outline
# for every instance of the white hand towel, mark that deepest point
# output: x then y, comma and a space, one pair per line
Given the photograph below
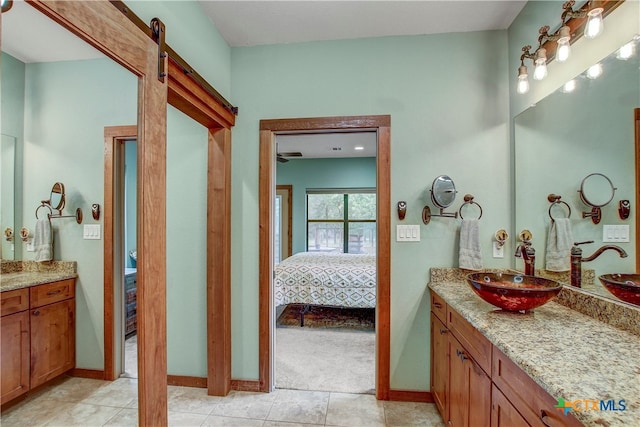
43, 240
559, 243
470, 256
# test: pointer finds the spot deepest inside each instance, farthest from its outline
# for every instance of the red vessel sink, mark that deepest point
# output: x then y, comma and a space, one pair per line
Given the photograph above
624, 286
513, 292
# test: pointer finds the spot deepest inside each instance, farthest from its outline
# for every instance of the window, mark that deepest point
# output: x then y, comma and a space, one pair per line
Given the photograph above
334, 214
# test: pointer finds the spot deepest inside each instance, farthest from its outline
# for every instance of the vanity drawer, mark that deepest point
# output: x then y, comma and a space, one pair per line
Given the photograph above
476, 344
534, 403
52, 292
14, 301
439, 307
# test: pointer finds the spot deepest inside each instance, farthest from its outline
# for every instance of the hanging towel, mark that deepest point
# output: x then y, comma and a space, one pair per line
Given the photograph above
43, 240
470, 256
559, 243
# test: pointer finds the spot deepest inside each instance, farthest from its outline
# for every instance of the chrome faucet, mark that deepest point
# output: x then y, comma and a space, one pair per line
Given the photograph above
528, 255
577, 259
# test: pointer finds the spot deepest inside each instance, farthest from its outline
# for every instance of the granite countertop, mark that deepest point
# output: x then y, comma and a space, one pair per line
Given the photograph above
570, 355
23, 274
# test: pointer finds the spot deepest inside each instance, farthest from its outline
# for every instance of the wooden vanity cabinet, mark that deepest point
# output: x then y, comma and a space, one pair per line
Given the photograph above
14, 344
38, 342
439, 364
503, 413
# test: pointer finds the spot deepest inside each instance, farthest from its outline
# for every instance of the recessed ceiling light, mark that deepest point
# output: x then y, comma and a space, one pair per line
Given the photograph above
358, 148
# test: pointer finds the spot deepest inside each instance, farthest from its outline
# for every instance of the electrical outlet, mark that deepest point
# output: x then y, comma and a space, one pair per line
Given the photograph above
498, 251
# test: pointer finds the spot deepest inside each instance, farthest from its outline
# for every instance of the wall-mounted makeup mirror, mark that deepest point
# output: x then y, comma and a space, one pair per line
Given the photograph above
596, 190
56, 201
443, 193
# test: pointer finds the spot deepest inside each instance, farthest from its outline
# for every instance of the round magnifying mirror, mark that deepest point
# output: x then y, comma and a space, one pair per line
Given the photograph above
57, 196
597, 190
443, 191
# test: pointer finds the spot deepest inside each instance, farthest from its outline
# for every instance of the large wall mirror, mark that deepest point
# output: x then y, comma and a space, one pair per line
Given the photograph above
572, 133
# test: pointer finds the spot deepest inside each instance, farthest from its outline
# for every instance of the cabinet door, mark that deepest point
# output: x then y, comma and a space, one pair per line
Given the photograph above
469, 389
439, 365
52, 341
503, 413
14, 362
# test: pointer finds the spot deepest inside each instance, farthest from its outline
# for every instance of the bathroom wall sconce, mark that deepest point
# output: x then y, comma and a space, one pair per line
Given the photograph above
8, 234
95, 211
587, 21
501, 237
25, 233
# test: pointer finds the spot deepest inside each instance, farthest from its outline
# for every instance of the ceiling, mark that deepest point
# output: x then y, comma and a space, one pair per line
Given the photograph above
250, 23
31, 37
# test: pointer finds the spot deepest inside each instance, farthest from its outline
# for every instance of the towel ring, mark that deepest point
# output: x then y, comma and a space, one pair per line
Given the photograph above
554, 199
468, 200
44, 206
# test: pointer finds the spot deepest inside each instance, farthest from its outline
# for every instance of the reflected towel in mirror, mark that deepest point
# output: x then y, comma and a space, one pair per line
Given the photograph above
43, 240
470, 256
559, 243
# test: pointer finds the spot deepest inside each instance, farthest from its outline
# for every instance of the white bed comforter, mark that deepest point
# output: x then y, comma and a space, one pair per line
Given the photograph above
343, 280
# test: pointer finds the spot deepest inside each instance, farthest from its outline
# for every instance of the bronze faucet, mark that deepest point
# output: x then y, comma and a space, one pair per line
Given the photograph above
577, 260
528, 255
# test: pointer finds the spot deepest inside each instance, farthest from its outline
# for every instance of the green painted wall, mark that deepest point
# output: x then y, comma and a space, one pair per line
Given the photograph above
130, 202
448, 99
321, 173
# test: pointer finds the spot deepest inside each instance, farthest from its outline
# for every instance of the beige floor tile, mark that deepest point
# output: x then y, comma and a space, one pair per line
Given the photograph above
215, 420
191, 399
84, 415
185, 419
33, 413
412, 414
127, 417
348, 410
296, 406
120, 393
286, 424
131, 357
72, 389
245, 404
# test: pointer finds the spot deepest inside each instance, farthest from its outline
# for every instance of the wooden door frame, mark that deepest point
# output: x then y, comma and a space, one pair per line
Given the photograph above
289, 190
268, 131
102, 26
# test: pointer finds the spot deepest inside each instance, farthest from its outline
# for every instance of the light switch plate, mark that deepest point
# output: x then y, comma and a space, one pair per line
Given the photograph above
407, 233
91, 232
615, 233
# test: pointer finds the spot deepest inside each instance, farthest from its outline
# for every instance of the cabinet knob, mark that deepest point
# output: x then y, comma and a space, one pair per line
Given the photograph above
437, 305
443, 331
36, 313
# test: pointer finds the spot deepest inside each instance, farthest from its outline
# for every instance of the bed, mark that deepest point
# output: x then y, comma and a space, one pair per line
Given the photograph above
331, 279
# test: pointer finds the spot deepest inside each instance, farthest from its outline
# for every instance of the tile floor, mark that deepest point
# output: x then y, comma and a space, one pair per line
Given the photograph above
86, 402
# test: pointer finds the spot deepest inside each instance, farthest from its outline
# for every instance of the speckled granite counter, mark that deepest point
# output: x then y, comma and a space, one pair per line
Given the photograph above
17, 275
569, 354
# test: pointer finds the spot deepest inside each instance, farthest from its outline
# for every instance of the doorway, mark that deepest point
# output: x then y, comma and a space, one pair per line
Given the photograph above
268, 131
283, 222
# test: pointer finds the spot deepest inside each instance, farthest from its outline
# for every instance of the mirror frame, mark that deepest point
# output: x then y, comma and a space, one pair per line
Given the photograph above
436, 193
58, 188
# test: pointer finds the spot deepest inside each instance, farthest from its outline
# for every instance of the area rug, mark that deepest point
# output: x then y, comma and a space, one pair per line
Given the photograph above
328, 317
325, 360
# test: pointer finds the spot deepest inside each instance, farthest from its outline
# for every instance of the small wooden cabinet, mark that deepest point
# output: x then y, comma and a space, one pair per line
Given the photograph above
130, 303
474, 384
38, 336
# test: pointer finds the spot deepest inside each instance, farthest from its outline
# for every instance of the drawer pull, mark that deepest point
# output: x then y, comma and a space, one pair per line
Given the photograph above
545, 418
461, 355
443, 331
437, 304
36, 313
54, 292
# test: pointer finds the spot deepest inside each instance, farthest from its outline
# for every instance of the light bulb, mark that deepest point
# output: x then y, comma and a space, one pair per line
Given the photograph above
594, 71
626, 51
523, 80
540, 70
569, 86
594, 23
564, 50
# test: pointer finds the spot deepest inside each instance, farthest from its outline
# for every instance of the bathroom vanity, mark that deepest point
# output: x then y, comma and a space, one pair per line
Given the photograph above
497, 368
38, 329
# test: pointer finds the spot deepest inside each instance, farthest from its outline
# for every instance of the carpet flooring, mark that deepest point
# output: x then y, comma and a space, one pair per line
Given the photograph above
338, 360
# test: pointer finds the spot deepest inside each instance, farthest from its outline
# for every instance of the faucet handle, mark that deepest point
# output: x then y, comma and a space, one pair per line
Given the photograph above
582, 243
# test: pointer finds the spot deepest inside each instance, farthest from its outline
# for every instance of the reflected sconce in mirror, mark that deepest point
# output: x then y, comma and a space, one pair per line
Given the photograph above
8, 234
501, 237
624, 209
558, 44
25, 233
56, 202
443, 193
596, 190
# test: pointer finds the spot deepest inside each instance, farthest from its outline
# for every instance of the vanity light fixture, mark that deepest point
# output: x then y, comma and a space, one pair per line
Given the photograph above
540, 70
523, 80
562, 37
569, 86
626, 51
594, 71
